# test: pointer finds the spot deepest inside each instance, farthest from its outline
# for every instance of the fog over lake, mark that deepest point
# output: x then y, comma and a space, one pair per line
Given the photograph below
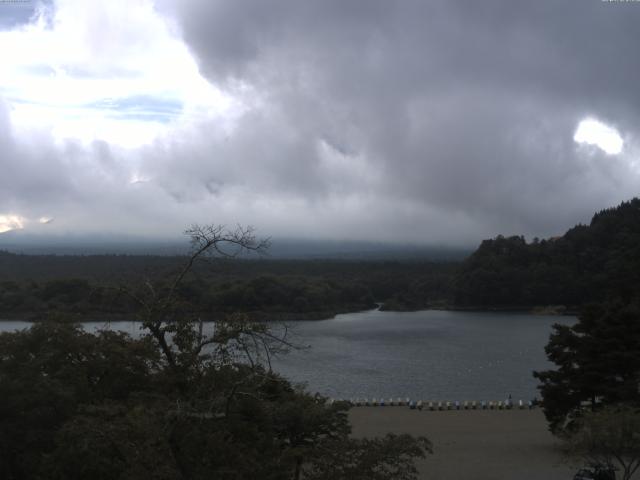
436, 355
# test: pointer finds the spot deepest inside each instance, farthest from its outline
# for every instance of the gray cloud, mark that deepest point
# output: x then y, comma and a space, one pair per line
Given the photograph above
418, 121
465, 107
16, 13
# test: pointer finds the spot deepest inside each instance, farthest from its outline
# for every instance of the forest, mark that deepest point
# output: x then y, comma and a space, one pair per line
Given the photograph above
33, 286
588, 263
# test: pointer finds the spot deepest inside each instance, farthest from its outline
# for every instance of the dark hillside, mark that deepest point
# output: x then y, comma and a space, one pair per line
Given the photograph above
588, 263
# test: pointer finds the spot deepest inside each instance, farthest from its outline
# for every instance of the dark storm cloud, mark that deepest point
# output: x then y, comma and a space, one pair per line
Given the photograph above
451, 110
422, 121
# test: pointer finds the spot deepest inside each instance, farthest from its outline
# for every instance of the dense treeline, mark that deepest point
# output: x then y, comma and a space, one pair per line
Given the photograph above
589, 263
32, 286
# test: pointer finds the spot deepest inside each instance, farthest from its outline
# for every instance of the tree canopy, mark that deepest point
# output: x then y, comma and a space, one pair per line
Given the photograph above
597, 360
588, 263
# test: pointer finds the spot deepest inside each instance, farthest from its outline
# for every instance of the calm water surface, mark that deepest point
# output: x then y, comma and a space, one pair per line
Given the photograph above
431, 354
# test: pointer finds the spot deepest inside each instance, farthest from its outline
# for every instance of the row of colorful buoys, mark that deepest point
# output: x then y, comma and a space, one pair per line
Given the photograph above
439, 405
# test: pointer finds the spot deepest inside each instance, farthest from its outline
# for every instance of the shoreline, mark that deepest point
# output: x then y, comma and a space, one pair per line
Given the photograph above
294, 316
559, 310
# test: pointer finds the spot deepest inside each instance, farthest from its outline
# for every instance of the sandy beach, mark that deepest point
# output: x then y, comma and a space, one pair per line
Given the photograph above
472, 444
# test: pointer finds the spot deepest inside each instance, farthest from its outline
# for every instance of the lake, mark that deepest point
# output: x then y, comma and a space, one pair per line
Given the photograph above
430, 355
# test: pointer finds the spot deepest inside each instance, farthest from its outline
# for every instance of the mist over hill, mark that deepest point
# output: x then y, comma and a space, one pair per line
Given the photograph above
281, 248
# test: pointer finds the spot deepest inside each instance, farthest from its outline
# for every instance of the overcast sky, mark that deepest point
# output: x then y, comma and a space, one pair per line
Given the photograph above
431, 121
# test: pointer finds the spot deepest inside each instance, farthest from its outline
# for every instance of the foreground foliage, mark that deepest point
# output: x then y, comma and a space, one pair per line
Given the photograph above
77, 405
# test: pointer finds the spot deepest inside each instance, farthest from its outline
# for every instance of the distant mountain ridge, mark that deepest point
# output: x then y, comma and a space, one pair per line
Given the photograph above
281, 248
588, 263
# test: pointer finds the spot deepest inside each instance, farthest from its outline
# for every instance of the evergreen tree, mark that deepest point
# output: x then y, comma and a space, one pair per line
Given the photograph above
598, 362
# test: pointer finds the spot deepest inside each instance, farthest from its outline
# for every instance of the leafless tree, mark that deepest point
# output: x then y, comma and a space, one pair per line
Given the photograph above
181, 337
